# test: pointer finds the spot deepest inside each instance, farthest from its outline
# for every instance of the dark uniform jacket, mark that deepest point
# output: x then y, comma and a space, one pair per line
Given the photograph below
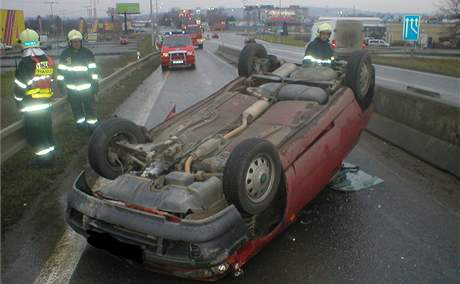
77, 68
319, 49
33, 80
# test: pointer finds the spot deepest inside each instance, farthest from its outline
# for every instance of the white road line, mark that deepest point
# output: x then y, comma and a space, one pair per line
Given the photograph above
63, 261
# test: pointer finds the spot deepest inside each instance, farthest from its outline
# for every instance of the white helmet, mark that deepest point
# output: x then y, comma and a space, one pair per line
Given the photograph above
74, 35
324, 27
29, 38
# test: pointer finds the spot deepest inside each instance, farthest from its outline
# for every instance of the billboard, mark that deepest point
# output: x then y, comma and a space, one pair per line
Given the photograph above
11, 24
128, 8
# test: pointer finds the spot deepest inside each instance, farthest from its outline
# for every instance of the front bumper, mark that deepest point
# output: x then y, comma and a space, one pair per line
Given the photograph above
194, 249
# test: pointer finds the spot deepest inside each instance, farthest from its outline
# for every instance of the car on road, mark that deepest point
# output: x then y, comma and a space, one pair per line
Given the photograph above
200, 194
177, 50
215, 35
196, 33
378, 43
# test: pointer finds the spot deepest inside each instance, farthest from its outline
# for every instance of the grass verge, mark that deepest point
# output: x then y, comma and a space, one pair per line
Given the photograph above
287, 40
21, 184
443, 66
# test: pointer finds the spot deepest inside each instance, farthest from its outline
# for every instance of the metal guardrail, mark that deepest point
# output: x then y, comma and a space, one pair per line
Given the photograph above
13, 137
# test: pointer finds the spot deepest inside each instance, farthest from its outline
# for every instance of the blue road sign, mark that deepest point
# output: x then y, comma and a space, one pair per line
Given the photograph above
411, 28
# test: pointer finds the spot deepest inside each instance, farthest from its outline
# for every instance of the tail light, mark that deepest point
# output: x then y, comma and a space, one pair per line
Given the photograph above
334, 43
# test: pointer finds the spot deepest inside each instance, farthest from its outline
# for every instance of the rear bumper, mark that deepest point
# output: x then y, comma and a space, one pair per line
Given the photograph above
192, 249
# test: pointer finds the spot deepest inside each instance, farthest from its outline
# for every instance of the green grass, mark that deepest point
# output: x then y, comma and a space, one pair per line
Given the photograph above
9, 110
443, 66
145, 45
21, 184
287, 40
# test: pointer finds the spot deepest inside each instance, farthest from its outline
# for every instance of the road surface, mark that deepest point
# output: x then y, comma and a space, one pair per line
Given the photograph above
405, 230
446, 87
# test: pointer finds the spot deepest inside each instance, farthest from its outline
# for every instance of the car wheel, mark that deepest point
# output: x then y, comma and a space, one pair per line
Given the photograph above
252, 175
247, 60
102, 151
360, 77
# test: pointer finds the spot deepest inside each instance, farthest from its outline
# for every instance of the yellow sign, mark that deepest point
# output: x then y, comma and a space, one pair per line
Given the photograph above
42, 69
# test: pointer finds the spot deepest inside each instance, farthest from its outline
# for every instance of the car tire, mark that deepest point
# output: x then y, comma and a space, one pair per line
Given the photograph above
103, 136
252, 175
164, 68
248, 55
274, 62
360, 77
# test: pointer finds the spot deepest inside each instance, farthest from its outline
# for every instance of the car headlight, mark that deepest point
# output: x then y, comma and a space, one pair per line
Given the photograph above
165, 54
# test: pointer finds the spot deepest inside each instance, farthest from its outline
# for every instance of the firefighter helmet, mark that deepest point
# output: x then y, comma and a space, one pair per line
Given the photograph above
29, 38
75, 35
324, 27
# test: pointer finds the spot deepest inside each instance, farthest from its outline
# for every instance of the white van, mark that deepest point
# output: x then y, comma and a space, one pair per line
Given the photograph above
346, 35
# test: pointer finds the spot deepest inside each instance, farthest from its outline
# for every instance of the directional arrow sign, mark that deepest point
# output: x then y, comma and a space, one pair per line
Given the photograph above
411, 27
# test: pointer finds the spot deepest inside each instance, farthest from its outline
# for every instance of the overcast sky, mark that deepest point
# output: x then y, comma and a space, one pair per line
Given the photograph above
74, 8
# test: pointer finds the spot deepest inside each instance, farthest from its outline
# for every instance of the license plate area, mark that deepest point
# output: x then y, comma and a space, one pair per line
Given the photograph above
115, 247
178, 58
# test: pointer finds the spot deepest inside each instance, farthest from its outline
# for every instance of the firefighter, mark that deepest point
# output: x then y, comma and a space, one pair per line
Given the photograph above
320, 47
33, 92
78, 78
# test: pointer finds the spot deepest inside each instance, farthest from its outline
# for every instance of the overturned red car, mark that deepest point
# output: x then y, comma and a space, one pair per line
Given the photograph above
200, 194
177, 51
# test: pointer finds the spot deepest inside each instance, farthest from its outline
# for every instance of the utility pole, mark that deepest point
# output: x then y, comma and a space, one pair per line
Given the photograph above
152, 26
51, 3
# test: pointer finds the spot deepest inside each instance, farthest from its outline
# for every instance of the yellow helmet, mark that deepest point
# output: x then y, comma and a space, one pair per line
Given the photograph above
74, 35
324, 27
29, 38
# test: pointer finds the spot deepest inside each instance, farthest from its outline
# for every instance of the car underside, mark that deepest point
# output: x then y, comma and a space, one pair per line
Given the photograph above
201, 193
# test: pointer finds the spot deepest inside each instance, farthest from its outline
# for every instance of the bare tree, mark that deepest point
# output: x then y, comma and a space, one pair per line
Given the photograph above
450, 8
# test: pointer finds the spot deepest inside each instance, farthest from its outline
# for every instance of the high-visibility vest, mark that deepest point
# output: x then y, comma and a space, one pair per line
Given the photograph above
40, 85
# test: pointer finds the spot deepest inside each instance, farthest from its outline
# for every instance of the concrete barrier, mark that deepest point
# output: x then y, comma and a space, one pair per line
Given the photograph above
13, 136
422, 126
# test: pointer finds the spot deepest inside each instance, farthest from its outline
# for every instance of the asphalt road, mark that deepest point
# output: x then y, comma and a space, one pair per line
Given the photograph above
405, 230
446, 87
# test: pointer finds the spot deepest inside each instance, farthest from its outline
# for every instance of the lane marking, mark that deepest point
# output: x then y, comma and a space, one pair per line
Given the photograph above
62, 263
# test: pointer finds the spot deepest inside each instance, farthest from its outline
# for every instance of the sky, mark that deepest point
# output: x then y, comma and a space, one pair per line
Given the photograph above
76, 8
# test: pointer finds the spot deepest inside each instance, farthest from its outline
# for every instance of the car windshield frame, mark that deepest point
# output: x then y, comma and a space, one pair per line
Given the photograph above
177, 41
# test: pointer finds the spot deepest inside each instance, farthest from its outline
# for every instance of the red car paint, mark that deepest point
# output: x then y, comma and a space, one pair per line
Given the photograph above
173, 55
307, 165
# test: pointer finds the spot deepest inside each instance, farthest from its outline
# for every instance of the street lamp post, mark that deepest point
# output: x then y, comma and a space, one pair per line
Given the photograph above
151, 23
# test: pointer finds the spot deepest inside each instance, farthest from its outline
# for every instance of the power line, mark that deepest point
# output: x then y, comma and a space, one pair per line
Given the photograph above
51, 3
